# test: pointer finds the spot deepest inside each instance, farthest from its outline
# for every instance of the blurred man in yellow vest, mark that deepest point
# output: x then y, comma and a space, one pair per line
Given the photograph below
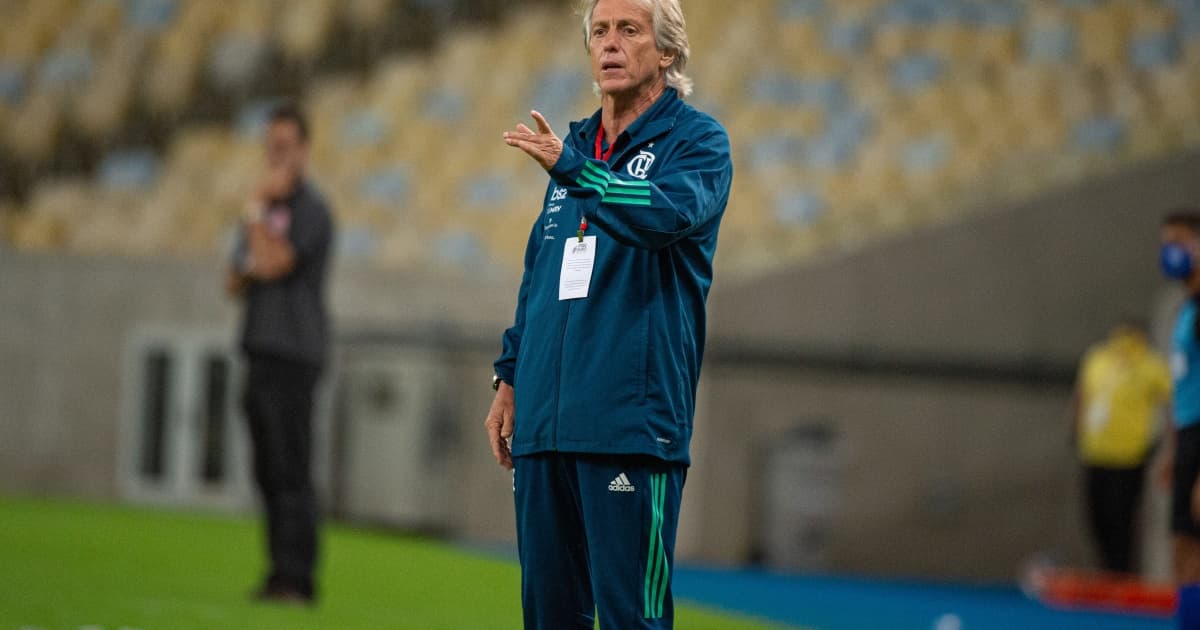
1121, 386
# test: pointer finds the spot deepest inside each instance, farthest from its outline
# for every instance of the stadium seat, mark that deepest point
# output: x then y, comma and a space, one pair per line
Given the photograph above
105, 104
135, 170
34, 126
302, 30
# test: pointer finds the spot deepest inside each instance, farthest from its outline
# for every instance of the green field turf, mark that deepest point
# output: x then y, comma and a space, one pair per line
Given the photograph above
66, 566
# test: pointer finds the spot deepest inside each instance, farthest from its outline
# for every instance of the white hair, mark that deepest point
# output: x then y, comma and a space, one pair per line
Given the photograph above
670, 34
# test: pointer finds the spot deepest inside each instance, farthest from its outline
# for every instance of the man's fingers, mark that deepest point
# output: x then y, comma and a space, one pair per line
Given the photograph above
524, 145
542, 125
543, 149
523, 129
498, 446
499, 429
500, 451
533, 149
506, 429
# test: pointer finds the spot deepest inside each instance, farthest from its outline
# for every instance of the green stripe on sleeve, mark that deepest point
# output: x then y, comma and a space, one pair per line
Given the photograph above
591, 185
604, 175
635, 184
616, 189
584, 175
626, 201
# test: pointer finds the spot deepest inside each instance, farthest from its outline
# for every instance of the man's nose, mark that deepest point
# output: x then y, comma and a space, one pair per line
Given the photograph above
608, 41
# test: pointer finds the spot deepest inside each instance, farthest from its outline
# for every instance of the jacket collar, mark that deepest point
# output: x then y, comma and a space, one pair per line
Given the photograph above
298, 191
653, 122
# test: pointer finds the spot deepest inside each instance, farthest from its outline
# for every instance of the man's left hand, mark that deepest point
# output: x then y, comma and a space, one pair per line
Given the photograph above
541, 145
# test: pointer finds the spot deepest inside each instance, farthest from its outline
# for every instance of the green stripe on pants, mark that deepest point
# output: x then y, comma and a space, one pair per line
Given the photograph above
662, 549
655, 555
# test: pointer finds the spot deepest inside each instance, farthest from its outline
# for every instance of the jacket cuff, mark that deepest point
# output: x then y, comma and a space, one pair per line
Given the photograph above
505, 369
568, 167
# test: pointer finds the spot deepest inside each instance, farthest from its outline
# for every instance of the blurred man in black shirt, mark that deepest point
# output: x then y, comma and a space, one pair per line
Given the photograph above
279, 271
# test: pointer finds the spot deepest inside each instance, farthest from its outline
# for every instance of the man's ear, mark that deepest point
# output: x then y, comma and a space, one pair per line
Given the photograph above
666, 58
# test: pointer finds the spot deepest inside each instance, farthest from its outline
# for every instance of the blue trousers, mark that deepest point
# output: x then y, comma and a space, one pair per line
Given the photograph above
596, 536
1188, 616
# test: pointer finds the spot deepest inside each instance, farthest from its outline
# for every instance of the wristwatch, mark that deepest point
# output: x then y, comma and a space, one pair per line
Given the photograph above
496, 380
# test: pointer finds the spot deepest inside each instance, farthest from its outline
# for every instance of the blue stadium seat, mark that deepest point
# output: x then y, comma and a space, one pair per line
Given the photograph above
129, 170
848, 36
830, 151
363, 127
925, 154
236, 59
487, 190
905, 12
1152, 50
1099, 134
852, 126
917, 71
12, 83
390, 186
67, 66
774, 150
778, 88
252, 118
556, 91
459, 248
356, 242
445, 105
1050, 44
801, 9
150, 15
798, 208
993, 13
1187, 14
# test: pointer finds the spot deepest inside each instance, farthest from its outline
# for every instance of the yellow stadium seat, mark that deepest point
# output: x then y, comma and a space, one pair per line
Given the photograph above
397, 85
97, 19
34, 127
1148, 140
948, 40
995, 46
1102, 35
894, 40
102, 108
366, 14
176, 62
37, 232
303, 28
1176, 89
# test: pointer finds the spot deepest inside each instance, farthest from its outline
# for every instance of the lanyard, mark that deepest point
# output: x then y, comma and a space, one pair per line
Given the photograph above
601, 154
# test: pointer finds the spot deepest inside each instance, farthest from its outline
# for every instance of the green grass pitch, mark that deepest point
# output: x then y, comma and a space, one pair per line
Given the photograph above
66, 566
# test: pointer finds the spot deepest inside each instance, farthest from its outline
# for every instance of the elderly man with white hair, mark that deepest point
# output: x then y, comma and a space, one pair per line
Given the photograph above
596, 383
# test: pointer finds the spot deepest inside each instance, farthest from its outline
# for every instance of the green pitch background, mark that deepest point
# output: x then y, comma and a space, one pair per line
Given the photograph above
66, 566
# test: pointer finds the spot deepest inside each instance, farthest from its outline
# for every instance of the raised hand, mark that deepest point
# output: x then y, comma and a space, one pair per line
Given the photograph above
542, 145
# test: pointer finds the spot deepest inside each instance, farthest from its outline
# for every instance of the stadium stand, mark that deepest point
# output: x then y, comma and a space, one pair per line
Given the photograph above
851, 120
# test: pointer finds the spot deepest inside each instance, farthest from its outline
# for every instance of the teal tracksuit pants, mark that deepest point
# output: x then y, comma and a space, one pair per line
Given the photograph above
596, 536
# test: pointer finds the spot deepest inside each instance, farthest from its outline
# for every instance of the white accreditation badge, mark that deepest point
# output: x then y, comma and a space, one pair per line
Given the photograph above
579, 257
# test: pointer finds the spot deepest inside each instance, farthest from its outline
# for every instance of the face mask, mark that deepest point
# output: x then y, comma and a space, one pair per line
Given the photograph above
1176, 261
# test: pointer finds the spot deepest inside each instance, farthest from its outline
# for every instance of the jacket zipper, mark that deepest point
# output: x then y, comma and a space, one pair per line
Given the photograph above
562, 348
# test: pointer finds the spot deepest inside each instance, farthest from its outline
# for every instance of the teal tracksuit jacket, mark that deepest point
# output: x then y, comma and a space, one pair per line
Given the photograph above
616, 372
